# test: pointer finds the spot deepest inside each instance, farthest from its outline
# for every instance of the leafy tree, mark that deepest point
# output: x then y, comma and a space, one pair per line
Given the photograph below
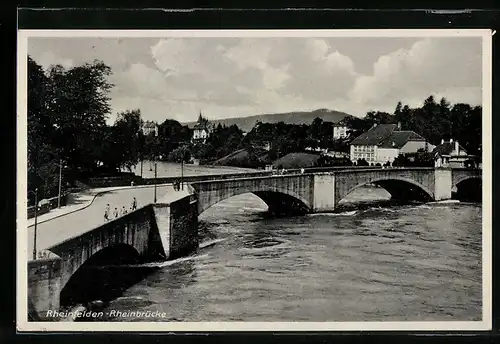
171, 135
401, 160
362, 162
127, 140
79, 106
182, 153
41, 157
378, 117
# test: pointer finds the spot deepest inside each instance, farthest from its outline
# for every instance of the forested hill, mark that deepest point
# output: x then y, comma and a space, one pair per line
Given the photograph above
300, 117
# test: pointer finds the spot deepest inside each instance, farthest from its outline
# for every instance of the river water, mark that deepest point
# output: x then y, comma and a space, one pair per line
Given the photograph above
369, 262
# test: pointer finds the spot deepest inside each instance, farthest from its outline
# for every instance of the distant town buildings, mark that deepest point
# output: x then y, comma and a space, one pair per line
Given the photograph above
384, 142
201, 129
451, 154
339, 131
150, 127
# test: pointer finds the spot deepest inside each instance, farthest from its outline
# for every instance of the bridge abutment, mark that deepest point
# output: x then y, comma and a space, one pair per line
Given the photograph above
44, 286
182, 234
442, 184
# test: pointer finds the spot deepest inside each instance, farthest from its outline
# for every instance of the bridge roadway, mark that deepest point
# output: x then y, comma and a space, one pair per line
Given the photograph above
57, 230
52, 230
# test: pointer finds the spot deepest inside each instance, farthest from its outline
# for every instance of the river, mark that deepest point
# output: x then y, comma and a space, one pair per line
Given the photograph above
371, 261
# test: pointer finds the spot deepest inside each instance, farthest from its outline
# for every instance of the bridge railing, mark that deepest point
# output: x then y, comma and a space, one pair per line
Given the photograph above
311, 171
190, 179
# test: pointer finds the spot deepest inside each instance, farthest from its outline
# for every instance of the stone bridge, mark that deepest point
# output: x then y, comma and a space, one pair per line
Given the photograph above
322, 192
72, 273
164, 231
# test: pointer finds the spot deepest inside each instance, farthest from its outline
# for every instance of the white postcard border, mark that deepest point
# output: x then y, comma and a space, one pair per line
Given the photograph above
194, 327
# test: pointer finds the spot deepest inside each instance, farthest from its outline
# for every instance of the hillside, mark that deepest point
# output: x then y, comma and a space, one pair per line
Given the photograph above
242, 158
297, 160
299, 117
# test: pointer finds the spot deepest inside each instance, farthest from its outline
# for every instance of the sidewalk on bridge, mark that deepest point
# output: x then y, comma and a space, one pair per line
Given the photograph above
81, 200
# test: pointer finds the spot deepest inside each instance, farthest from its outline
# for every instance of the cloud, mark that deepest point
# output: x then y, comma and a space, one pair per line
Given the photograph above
449, 67
254, 72
232, 77
48, 59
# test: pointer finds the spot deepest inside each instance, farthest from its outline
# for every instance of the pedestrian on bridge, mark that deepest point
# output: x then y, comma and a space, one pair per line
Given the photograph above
134, 204
115, 212
106, 213
124, 211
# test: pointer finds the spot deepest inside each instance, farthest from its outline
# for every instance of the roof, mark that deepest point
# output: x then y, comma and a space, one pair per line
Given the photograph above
399, 138
447, 148
375, 135
149, 124
199, 126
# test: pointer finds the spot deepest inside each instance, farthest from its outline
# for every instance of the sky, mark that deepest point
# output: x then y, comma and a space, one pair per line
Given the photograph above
224, 77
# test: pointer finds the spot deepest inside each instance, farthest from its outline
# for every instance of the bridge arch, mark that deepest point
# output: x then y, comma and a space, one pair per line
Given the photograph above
400, 188
468, 188
279, 201
466, 178
102, 274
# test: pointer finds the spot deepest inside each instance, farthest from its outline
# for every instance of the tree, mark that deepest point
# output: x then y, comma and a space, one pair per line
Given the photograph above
42, 156
182, 153
79, 105
171, 135
378, 117
362, 162
401, 160
127, 140
356, 126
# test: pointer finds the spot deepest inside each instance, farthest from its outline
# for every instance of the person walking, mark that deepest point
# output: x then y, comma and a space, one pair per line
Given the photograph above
115, 212
124, 211
106, 213
134, 204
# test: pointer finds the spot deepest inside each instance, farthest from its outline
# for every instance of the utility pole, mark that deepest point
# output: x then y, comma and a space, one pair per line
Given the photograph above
60, 181
155, 179
182, 170
36, 219
156, 158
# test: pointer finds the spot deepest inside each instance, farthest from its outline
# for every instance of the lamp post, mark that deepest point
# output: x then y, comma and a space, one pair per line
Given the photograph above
60, 182
36, 220
182, 170
156, 164
156, 159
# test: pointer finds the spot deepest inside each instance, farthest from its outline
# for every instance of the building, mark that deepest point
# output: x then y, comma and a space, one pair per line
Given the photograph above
201, 129
384, 142
339, 131
452, 154
150, 127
